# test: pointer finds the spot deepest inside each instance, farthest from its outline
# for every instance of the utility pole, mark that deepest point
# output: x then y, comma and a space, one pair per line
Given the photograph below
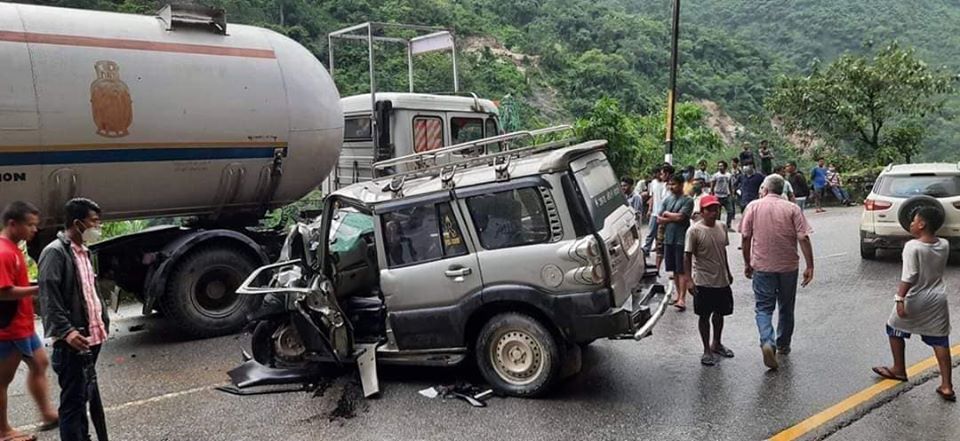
672, 93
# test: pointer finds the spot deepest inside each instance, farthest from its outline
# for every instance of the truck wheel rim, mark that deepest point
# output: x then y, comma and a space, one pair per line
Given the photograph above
214, 293
517, 357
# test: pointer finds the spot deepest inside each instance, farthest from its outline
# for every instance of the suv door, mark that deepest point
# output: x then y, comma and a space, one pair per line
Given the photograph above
519, 236
614, 221
428, 270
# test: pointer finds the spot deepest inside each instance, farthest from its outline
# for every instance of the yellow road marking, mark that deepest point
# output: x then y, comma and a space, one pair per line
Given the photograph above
809, 424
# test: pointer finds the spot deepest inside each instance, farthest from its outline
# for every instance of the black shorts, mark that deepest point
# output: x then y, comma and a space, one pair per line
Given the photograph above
673, 257
713, 301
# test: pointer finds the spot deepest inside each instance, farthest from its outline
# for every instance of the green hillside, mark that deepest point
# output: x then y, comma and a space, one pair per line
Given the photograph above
805, 31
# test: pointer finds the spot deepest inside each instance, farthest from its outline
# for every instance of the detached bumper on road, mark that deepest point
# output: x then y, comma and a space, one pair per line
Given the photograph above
648, 310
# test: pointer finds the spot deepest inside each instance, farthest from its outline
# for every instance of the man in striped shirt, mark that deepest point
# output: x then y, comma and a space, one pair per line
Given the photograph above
74, 315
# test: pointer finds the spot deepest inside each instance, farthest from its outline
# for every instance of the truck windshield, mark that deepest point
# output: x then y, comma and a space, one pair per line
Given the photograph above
930, 185
600, 186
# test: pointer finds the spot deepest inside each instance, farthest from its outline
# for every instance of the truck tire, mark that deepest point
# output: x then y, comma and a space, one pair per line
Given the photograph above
518, 355
201, 292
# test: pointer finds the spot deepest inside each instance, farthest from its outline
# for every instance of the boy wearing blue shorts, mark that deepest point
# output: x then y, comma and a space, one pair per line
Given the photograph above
18, 338
921, 301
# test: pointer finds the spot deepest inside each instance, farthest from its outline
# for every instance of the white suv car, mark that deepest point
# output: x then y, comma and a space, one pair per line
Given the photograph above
898, 192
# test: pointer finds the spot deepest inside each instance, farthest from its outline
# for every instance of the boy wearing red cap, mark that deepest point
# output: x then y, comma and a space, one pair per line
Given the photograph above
705, 258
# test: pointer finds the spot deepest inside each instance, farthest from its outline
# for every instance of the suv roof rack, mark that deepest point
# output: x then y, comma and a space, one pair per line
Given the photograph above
428, 164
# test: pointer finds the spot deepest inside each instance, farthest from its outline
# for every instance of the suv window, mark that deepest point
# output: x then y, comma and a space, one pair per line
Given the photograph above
510, 218
600, 185
421, 234
913, 185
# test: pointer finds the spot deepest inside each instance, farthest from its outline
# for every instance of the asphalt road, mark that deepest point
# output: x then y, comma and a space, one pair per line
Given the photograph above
160, 387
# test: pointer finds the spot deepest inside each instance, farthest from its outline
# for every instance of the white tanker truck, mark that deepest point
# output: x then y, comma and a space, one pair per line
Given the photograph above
175, 115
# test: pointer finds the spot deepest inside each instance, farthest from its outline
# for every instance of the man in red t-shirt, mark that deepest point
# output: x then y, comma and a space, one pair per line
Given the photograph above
18, 338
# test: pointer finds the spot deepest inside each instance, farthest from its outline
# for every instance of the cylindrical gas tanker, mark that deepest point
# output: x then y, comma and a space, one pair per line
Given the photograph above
174, 115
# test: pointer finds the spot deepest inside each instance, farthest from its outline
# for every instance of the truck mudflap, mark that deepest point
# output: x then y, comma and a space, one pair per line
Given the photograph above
648, 309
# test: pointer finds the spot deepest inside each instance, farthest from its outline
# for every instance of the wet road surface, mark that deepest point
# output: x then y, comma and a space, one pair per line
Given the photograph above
160, 387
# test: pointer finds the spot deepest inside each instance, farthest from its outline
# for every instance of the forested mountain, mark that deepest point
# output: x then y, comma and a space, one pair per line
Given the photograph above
804, 32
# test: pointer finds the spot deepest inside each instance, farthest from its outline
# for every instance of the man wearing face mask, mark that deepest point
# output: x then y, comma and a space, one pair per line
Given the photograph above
74, 315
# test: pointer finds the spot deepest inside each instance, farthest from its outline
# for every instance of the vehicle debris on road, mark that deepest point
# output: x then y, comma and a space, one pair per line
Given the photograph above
474, 395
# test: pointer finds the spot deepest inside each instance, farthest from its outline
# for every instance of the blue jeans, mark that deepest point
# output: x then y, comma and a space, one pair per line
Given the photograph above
775, 291
802, 203
648, 243
842, 196
74, 391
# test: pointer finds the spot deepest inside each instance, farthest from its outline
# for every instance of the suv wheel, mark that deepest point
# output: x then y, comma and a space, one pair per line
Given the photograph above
867, 252
518, 355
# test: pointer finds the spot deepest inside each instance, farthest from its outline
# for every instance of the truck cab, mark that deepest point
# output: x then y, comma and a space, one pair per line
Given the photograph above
408, 123
382, 125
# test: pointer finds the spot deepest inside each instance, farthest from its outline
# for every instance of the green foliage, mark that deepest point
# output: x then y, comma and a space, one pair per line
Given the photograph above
635, 144
874, 105
608, 121
808, 32
114, 229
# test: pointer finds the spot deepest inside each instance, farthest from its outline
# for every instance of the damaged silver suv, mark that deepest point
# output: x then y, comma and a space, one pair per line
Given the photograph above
512, 256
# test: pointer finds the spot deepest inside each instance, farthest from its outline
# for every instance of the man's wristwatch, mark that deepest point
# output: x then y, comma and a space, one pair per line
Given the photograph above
897, 298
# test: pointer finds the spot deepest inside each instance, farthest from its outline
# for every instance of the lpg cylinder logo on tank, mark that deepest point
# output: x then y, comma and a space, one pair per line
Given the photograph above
110, 101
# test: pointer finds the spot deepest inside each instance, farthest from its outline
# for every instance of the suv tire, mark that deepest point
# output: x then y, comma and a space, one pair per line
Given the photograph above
867, 252
518, 355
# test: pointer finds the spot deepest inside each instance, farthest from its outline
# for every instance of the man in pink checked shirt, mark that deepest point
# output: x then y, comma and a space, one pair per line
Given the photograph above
771, 230
74, 315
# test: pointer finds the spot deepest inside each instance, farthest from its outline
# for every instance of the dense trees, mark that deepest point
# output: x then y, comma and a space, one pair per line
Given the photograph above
874, 105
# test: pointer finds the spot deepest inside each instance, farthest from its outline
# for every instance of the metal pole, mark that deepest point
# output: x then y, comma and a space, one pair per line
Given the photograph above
453, 52
410, 64
374, 126
672, 93
330, 49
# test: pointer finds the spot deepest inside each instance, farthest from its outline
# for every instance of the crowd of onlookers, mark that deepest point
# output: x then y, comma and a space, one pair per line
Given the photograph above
684, 208
736, 183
